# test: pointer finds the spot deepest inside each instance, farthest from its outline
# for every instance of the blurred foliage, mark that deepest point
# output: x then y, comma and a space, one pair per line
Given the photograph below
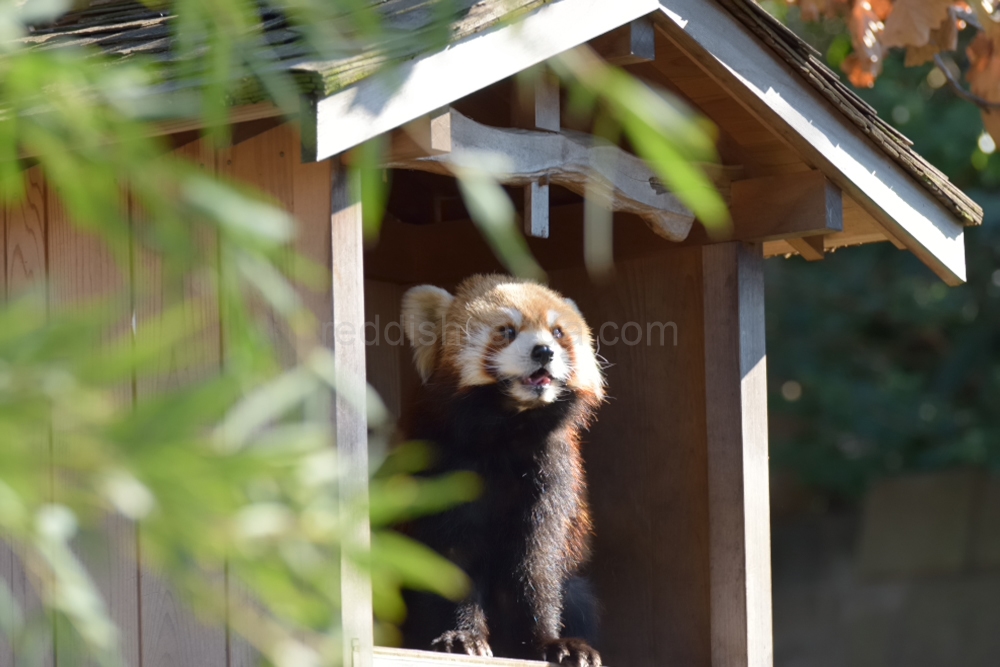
199, 427
876, 367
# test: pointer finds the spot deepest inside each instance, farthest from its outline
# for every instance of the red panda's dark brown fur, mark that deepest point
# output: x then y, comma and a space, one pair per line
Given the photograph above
524, 541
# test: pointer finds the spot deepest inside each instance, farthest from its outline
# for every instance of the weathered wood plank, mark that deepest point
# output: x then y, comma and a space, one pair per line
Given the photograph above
84, 270
266, 162
537, 106
349, 423
646, 462
394, 657
736, 418
571, 160
171, 634
26, 268
787, 206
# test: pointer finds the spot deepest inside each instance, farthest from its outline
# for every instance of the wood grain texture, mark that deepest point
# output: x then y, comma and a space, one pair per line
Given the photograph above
572, 160
25, 270
394, 657
350, 427
265, 164
6, 555
736, 408
25, 247
83, 270
786, 206
388, 353
171, 635
268, 162
646, 461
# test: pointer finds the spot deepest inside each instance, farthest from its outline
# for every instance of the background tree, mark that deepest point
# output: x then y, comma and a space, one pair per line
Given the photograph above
898, 372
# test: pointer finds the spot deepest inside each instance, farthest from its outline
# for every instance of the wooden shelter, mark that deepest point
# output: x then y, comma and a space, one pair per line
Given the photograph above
678, 460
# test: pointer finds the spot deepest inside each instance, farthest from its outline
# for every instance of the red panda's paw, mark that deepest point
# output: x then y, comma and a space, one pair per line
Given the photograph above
462, 641
572, 653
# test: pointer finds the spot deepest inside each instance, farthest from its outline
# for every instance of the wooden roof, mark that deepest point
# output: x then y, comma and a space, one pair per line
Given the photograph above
126, 28
779, 82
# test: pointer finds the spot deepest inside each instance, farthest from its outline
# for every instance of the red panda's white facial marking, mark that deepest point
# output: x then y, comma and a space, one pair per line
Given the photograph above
499, 330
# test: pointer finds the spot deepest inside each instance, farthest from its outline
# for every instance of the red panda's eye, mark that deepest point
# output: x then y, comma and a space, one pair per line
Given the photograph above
557, 333
508, 332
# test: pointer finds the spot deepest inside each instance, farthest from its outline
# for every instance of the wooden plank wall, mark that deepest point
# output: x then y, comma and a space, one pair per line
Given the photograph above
646, 461
25, 251
38, 242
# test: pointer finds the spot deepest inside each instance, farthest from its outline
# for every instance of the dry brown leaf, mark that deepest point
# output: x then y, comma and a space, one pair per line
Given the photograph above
984, 78
943, 38
865, 64
911, 21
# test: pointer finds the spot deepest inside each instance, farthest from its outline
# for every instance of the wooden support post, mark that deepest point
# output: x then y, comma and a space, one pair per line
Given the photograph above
536, 209
538, 108
736, 418
349, 424
629, 44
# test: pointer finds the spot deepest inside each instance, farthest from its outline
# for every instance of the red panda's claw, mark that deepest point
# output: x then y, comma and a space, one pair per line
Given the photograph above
571, 652
461, 641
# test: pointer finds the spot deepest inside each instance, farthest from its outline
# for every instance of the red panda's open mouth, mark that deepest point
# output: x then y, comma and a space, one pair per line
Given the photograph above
540, 378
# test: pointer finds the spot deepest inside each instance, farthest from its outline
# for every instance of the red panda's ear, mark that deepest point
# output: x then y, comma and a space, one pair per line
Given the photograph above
423, 311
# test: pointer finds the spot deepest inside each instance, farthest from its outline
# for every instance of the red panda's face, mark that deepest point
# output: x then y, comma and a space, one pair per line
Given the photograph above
498, 330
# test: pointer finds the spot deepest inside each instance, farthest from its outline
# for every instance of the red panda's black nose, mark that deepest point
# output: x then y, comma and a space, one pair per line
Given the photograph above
542, 354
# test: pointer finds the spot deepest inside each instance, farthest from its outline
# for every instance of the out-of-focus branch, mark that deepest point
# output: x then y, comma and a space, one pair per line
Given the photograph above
956, 86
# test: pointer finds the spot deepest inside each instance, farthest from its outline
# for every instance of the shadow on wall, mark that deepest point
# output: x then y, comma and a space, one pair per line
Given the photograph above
912, 580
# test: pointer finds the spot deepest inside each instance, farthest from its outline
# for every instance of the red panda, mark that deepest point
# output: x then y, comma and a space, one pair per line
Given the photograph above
510, 380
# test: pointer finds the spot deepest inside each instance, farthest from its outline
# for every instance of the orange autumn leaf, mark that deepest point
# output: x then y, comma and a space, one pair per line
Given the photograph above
865, 64
943, 38
911, 21
984, 78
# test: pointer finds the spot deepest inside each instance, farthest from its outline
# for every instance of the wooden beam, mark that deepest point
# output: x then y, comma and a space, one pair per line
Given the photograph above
246, 131
787, 206
629, 44
752, 73
236, 115
379, 104
809, 247
570, 160
536, 209
537, 107
349, 423
736, 417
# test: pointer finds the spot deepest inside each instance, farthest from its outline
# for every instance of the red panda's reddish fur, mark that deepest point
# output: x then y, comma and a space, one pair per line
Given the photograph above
524, 542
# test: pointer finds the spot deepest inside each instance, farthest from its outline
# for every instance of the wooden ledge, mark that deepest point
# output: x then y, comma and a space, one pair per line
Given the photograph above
398, 657
448, 142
